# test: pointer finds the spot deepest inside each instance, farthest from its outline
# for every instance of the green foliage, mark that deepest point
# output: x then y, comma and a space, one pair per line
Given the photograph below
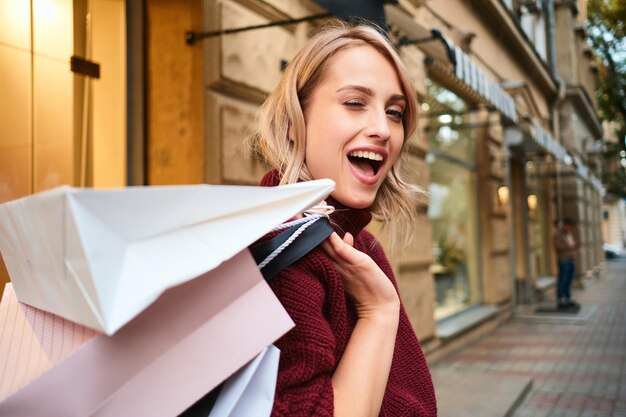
607, 31
614, 175
450, 256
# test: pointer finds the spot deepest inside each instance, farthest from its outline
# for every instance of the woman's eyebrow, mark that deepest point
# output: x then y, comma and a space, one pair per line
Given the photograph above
370, 92
397, 97
364, 90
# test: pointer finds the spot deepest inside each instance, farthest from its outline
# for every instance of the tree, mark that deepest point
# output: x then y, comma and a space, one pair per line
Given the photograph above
607, 30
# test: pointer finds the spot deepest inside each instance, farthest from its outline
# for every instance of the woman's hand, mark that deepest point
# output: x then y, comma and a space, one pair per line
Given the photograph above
370, 289
360, 380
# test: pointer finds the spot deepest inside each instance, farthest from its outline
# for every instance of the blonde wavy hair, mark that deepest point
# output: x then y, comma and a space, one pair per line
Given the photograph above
284, 108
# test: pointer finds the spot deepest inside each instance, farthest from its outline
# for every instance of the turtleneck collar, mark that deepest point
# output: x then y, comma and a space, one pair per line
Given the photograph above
344, 219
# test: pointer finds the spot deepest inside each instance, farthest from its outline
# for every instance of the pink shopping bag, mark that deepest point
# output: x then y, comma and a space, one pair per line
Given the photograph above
192, 338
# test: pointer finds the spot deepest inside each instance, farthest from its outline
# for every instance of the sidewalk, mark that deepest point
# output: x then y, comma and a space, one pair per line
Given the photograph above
546, 367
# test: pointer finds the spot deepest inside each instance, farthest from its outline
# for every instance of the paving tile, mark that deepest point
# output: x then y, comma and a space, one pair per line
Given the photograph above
495, 398
578, 368
564, 413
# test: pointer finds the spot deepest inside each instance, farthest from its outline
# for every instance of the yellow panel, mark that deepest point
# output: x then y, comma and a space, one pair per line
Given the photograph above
15, 172
53, 124
53, 28
54, 166
175, 101
15, 103
109, 100
15, 23
53, 107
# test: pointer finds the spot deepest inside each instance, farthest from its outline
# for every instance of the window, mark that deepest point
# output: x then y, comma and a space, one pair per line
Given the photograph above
453, 206
538, 218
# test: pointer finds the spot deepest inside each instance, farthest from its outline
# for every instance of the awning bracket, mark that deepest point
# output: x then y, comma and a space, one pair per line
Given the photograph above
192, 37
435, 35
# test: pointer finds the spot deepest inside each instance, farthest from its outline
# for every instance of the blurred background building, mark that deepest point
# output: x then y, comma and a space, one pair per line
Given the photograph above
109, 93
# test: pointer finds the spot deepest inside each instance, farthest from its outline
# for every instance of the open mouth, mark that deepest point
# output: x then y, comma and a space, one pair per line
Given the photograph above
366, 162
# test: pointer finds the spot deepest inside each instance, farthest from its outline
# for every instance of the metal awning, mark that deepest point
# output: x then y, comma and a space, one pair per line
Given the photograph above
597, 184
560, 153
454, 60
397, 19
545, 140
581, 169
472, 75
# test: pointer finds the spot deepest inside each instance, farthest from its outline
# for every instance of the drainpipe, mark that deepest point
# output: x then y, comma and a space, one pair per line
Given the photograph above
528, 288
512, 244
548, 9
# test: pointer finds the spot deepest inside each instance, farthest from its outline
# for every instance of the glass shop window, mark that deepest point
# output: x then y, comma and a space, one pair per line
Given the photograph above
450, 127
538, 218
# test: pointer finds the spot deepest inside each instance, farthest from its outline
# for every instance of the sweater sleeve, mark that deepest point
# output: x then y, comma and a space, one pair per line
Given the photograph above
410, 390
307, 358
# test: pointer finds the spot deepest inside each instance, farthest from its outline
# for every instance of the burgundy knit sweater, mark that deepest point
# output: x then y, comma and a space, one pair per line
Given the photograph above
312, 292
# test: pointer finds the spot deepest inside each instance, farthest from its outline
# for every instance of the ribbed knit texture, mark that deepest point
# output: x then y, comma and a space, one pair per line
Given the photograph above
313, 294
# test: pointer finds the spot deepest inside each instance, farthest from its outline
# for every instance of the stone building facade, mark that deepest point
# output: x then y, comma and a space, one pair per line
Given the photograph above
503, 146
507, 142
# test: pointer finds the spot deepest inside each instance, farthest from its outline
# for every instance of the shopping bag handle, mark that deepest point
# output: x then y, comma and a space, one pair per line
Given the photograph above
307, 239
305, 235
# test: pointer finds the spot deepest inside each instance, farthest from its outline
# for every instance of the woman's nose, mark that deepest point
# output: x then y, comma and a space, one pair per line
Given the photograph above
378, 125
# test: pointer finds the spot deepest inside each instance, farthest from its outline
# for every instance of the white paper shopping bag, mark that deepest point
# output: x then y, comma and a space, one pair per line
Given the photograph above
99, 257
250, 391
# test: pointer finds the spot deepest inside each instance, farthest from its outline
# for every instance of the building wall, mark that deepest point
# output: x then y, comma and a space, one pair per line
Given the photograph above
493, 49
241, 69
175, 100
495, 270
614, 222
16, 142
107, 164
202, 102
490, 48
16, 139
579, 131
565, 39
412, 264
37, 140
43, 141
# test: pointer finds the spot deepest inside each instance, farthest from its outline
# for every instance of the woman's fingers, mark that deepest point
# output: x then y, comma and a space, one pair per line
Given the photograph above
342, 250
363, 279
330, 246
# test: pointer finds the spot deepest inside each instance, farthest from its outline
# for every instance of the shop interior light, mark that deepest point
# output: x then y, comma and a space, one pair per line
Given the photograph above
532, 202
503, 195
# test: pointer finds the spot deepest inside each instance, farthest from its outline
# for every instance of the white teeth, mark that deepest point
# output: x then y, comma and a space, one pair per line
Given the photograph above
366, 154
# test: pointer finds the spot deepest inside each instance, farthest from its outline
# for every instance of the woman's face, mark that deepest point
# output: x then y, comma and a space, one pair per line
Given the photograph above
354, 124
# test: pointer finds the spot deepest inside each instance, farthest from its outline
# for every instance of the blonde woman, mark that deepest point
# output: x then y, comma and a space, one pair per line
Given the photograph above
344, 110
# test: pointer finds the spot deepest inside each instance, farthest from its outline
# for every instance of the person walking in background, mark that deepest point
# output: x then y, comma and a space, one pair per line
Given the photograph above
566, 248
